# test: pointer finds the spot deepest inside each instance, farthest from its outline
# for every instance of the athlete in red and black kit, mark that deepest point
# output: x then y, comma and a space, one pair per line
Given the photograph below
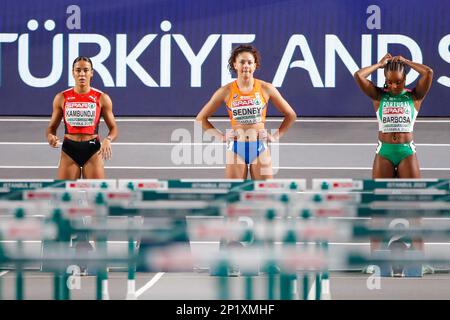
81, 108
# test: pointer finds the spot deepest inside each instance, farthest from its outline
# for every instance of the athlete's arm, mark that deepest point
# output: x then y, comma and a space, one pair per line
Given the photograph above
108, 116
283, 107
426, 77
55, 120
209, 109
367, 86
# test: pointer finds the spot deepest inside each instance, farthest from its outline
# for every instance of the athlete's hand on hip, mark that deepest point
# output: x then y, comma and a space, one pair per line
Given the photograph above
263, 134
271, 138
105, 149
53, 140
230, 134
384, 60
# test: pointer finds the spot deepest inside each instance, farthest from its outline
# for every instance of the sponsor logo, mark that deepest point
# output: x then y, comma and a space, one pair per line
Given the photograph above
243, 103
87, 105
393, 110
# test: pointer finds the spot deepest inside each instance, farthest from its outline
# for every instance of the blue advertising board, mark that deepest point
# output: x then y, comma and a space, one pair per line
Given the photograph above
167, 57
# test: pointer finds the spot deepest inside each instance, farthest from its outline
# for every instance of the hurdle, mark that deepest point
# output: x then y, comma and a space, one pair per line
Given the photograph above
317, 219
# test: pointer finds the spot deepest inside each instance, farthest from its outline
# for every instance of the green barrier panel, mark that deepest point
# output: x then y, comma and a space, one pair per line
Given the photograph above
368, 198
404, 213
408, 258
17, 185
216, 184
367, 185
434, 234
163, 212
190, 196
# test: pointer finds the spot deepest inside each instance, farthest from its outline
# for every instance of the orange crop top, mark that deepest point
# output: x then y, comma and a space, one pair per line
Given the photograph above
248, 108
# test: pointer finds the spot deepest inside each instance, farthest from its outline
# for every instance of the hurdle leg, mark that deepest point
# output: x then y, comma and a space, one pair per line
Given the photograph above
248, 288
305, 286
102, 285
131, 283
1, 286
102, 274
318, 285
56, 286
286, 287
99, 285
224, 286
65, 287
19, 284
19, 275
271, 272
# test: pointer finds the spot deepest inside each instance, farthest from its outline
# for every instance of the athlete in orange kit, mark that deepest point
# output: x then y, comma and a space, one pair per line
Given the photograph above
246, 100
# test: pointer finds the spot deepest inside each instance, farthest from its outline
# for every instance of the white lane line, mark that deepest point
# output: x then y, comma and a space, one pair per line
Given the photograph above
327, 144
149, 284
3, 273
207, 144
28, 167
193, 120
213, 168
213, 119
210, 168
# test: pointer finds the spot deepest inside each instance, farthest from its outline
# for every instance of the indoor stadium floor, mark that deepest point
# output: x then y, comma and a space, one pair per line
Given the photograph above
312, 148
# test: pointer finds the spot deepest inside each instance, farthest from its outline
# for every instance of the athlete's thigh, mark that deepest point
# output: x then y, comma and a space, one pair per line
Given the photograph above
68, 169
382, 168
235, 167
261, 168
94, 168
409, 168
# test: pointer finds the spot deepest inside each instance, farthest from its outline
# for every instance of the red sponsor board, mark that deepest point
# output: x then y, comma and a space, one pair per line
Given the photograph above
25, 231
119, 195
337, 185
38, 196
339, 197
81, 212
257, 196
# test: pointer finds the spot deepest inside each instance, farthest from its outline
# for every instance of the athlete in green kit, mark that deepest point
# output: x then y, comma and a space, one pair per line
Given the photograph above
396, 108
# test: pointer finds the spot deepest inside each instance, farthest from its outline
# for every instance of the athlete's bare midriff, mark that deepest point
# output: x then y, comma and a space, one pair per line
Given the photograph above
248, 132
80, 136
395, 137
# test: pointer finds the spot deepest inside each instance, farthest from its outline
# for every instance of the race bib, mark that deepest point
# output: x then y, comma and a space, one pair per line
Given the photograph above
80, 114
247, 111
396, 118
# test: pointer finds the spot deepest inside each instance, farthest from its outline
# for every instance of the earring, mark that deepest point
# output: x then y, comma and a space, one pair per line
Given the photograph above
385, 86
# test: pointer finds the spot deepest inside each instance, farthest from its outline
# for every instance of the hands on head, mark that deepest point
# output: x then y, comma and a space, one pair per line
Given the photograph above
388, 57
